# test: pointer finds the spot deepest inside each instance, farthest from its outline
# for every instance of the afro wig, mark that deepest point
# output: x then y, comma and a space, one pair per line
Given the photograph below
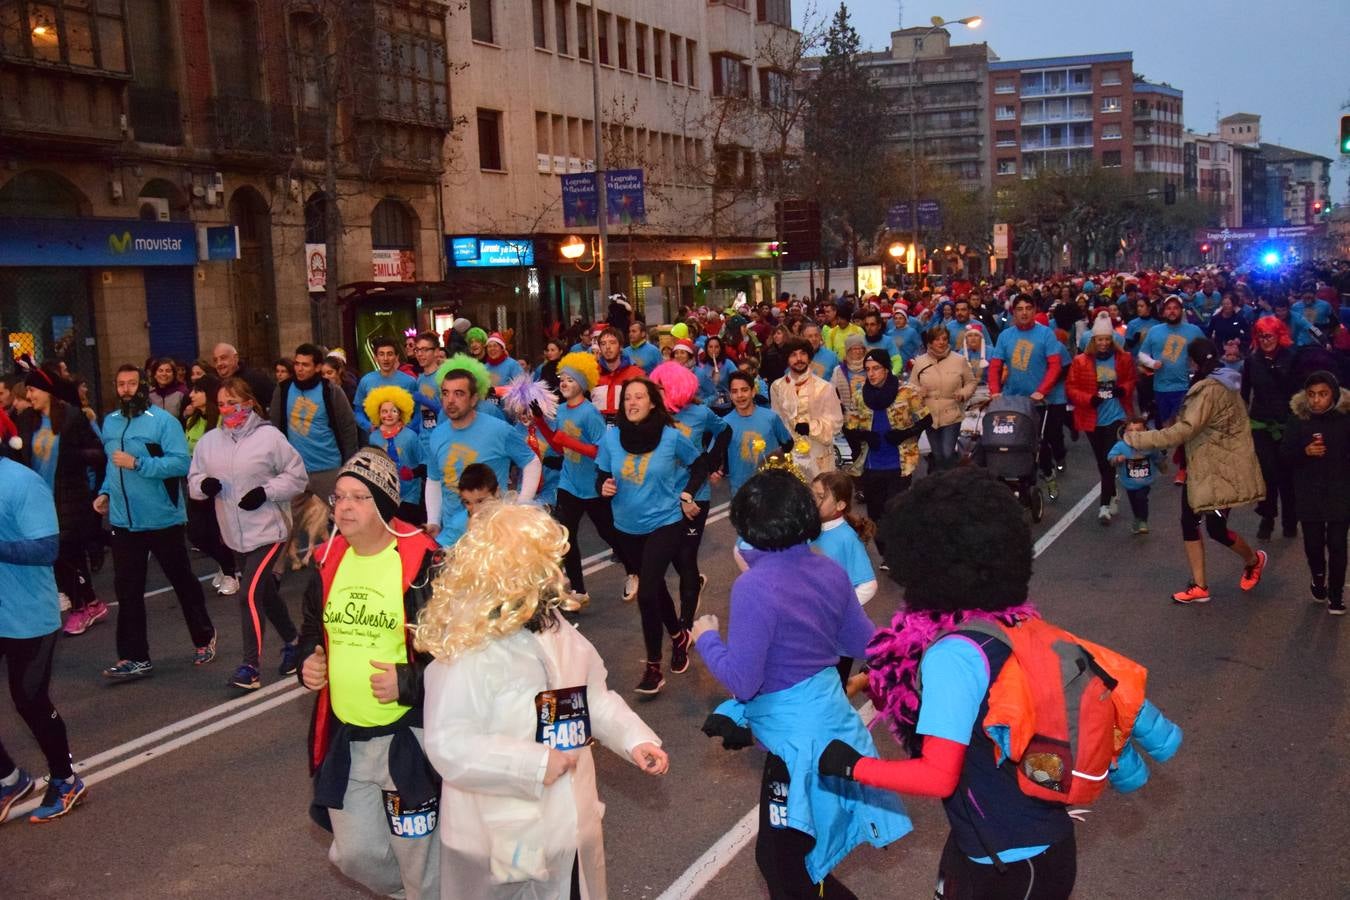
958, 541
522, 393
462, 362
774, 510
582, 368
678, 385
389, 393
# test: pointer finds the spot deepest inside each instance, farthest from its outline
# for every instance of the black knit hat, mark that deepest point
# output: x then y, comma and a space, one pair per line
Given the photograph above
372, 467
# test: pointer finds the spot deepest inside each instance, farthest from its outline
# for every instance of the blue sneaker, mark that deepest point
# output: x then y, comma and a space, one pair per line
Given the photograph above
246, 677
61, 798
289, 653
14, 793
128, 670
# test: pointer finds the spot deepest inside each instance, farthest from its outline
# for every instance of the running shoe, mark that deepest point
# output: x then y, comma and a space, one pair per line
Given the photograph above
12, 794
1181, 477
1319, 590
246, 677
1265, 529
630, 589
679, 653
1139, 527
1052, 488
1251, 575
289, 658
1104, 514
1194, 593
62, 796
229, 586
217, 578
1115, 504
129, 669
204, 654
1336, 607
79, 621
651, 682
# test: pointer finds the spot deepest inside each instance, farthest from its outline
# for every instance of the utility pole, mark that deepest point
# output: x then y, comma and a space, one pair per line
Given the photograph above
601, 206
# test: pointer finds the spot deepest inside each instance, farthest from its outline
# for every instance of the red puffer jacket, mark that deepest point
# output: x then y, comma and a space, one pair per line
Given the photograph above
1081, 386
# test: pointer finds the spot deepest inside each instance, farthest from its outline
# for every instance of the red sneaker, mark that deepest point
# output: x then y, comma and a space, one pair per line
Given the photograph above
1194, 593
1251, 575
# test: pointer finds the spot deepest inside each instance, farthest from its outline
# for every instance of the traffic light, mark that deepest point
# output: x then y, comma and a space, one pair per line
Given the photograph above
1317, 207
777, 247
1345, 134
1204, 248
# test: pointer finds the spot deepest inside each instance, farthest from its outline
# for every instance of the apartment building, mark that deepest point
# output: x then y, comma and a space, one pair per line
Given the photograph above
1061, 113
1209, 176
130, 127
1301, 183
1158, 128
680, 87
947, 114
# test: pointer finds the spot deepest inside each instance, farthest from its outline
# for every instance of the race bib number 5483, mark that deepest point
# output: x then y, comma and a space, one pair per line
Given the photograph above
563, 717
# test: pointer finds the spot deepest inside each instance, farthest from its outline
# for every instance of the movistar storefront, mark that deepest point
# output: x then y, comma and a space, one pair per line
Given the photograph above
97, 292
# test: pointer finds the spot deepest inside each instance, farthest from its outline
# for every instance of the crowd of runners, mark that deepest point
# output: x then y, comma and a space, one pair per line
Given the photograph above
436, 502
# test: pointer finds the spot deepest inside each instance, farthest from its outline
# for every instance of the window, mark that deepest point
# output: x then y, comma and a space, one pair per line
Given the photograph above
602, 37
1005, 138
307, 52
1110, 104
410, 60
690, 51
1111, 159
774, 89
728, 166
1202, 151
583, 32
1110, 76
88, 34
391, 227
560, 26
775, 12
1110, 132
731, 76
537, 15
1005, 112
234, 50
621, 33
640, 49
1007, 167
675, 59
658, 53
480, 21
1004, 86
490, 140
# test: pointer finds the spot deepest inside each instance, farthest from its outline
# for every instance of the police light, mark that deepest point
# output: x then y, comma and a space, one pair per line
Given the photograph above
1270, 259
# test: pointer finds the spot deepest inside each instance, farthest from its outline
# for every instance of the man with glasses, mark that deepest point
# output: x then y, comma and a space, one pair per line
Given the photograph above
373, 786
317, 419
428, 394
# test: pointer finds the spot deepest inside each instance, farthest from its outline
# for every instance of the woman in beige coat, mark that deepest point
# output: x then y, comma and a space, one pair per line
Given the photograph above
1221, 467
945, 382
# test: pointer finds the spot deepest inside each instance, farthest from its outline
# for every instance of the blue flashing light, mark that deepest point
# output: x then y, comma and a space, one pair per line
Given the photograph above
1271, 259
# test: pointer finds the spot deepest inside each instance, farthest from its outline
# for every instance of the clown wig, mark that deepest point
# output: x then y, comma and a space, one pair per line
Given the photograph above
1271, 325
523, 391
465, 363
677, 383
389, 393
582, 368
500, 576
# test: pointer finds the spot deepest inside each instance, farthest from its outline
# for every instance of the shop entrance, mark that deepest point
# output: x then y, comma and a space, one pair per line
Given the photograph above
47, 313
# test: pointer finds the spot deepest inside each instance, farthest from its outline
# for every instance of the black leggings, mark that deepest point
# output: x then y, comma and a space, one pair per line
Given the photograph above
30, 674
568, 510
1047, 876
1052, 449
130, 552
258, 597
654, 553
686, 561
1324, 545
1279, 478
780, 852
203, 532
1103, 438
879, 487
71, 569
1216, 524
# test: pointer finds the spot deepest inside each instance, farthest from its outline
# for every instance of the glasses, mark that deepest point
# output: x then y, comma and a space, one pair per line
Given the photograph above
423, 349
335, 499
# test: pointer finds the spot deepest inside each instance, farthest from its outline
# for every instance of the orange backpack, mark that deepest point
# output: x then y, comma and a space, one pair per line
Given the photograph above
1062, 706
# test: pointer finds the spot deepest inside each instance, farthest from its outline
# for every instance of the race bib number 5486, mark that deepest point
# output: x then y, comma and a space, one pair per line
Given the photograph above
415, 822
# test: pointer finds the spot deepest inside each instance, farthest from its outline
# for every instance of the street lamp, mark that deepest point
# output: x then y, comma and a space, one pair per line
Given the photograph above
937, 23
574, 248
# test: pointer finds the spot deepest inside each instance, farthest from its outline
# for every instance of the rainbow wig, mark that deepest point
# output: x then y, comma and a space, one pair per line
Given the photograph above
498, 575
582, 368
521, 391
464, 361
678, 385
388, 393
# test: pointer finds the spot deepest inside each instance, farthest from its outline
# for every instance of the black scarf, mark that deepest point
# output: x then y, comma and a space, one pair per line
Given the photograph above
878, 398
307, 384
640, 437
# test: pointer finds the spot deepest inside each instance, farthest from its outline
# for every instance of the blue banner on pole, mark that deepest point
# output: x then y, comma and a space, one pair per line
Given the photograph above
581, 207
899, 216
625, 198
96, 242
930, 214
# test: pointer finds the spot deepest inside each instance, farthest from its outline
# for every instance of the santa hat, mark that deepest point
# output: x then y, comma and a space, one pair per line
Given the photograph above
496, 338
686, 345
8, 433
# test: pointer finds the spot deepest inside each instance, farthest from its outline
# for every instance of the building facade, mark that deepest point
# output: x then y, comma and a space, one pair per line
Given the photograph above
1060, 114
1301, 182
127, 129
1158, 128
1210, 176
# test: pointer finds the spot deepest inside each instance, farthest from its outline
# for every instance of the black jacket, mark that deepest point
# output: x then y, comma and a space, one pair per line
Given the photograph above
1268, 384
78, 453
1321, 483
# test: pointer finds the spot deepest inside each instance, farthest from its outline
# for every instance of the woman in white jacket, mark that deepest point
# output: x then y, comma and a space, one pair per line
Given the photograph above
514, 700
253, 473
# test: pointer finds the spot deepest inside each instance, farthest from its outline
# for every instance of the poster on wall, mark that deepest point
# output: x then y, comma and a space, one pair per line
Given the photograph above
393, 265
316, 267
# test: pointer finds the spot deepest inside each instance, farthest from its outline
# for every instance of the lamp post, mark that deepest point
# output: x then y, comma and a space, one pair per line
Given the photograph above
601, 210
937, 23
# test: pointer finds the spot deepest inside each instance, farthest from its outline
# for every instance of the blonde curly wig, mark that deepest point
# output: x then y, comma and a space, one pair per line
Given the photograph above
497, 577
389, 393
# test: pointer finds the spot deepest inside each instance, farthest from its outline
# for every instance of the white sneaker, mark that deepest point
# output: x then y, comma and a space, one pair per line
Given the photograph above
1104, 514
1115, 504
630, 589
63, 601
229, 585
217, 578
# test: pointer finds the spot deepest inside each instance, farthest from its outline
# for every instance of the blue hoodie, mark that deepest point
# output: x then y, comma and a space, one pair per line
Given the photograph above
148, 497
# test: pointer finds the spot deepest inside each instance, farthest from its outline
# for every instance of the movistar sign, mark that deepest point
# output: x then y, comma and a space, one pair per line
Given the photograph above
96, 242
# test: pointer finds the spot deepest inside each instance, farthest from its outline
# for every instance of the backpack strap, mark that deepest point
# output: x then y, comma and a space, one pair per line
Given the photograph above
977, 626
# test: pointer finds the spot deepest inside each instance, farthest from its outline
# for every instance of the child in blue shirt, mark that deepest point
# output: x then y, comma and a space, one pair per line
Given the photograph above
845, 545
391, 408
1136, 470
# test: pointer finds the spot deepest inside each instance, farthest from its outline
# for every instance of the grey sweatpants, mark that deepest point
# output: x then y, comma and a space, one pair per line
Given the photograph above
363, 846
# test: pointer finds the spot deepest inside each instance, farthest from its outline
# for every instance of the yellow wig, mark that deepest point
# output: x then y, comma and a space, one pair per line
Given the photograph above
389, 393
498, 574
582, 367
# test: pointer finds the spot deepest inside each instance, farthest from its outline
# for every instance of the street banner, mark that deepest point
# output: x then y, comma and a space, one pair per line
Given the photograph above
316, 267
580, 205
393, 265
1226, 235
930, 214
899, 216
625, 198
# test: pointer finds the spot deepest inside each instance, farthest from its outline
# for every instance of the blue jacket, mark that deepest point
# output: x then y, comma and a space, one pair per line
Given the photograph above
148, 497
839, 813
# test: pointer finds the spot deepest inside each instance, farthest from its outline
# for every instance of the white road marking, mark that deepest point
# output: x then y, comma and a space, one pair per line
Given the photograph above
717, 857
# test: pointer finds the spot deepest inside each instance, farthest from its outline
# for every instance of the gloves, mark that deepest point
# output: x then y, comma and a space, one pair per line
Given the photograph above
553, 462
803, 428
838, 760
733, 735
406, 474
211, 486
895, 437
536, 410
253, 499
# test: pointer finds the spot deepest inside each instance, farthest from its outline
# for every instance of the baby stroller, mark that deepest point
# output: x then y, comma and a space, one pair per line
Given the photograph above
1009, 440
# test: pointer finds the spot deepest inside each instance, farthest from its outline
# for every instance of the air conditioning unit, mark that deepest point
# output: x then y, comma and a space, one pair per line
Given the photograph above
154, 209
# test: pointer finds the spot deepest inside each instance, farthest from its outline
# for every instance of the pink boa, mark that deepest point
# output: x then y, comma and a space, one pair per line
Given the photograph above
894, 654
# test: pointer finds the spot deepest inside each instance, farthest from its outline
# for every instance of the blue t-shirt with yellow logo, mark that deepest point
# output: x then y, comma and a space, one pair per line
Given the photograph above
698, 423
584, 423
485, 440
1167, 344
46, 445
649, 483
308, 429
1026, 355
742, 459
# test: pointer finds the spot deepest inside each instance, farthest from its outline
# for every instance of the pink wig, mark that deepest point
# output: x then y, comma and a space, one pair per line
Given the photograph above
1272, 325
677, 383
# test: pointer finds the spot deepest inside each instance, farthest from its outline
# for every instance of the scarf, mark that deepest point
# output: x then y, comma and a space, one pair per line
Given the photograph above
307, 384
881, 397
233, 417
894, 653
640, 437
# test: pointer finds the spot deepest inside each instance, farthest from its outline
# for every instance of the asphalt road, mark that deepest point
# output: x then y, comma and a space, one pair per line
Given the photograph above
196, 791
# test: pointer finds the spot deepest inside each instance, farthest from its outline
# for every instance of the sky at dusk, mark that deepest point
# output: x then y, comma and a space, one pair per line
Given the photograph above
1285, 62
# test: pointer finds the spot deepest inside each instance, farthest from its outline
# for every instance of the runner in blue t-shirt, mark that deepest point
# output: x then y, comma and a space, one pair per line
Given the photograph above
756, 431
387, 373
1163, 352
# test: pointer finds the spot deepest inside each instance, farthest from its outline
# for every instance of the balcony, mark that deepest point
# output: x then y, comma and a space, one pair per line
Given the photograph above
1055, 90
156, 115
252, 127
1058, 144
46, 105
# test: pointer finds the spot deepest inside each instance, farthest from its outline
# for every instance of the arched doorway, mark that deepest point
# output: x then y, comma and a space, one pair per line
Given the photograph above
252, 285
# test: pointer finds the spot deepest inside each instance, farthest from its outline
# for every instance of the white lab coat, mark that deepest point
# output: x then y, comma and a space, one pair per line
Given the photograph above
823, 414
503, 834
